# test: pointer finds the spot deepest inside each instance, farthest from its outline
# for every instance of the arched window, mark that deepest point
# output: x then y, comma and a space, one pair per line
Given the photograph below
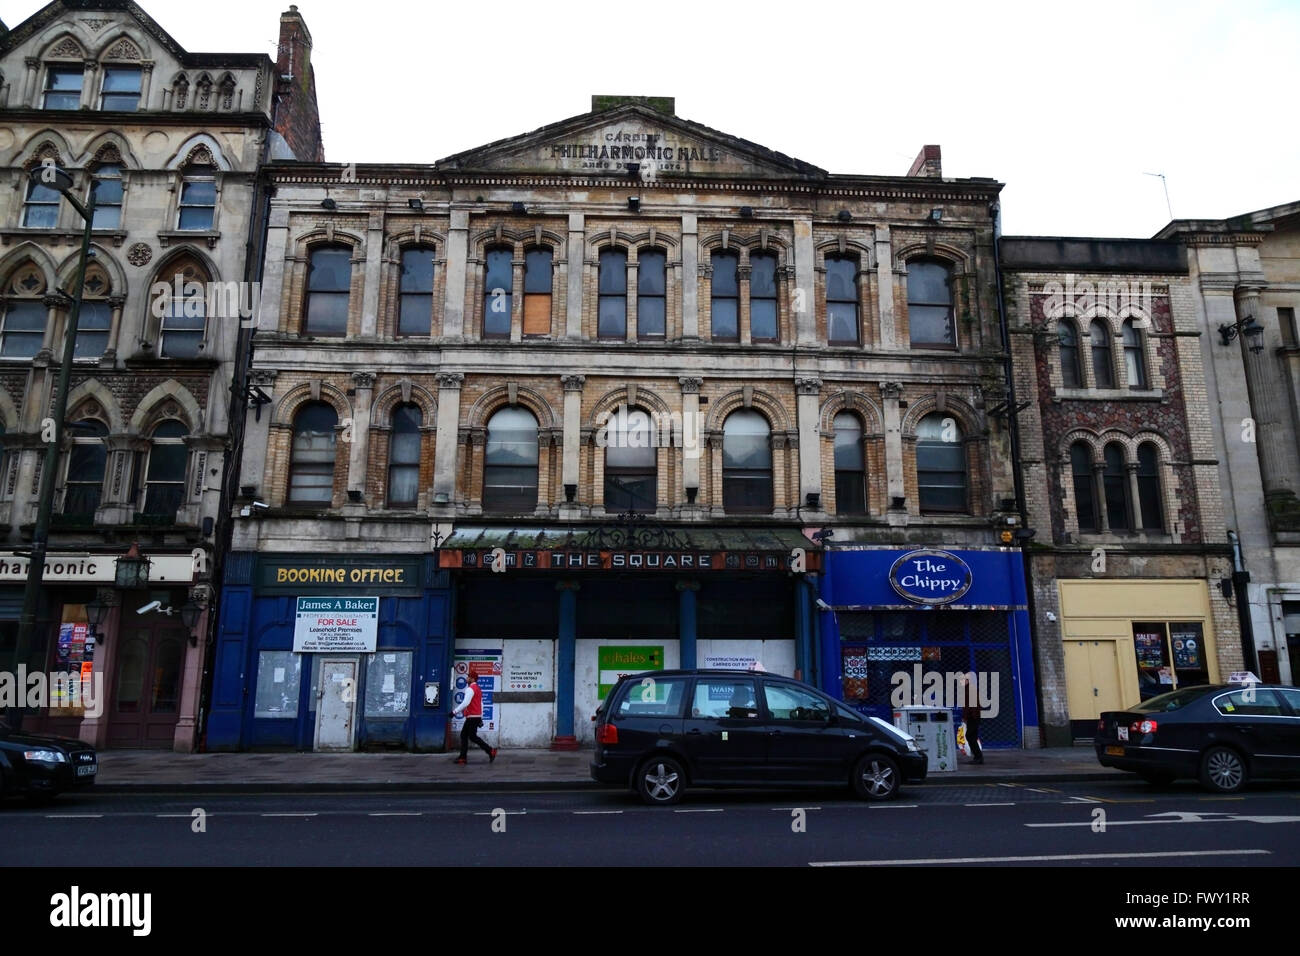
1135, 365
1103, 368
929, 304
940, 464
746, 463
165, 477
1085, 493
850, 467
86, 464
762, 297
185, 308
311, 462
1148, 476
510, 461
725, 308
611, 304
96, 315
25, 314
1069, 339
1115, 485
41, 210
415, 292
498, 293
108, 196
842, 300
631, 475
329, 282
651, 294
538, 276
404, 456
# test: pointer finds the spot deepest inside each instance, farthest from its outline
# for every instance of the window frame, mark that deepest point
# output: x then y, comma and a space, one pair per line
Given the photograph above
1135, 360
733, 474
178, 483
1149, 487
47, 89
298, 467
856, 301
1102, 355
105, 93
99, 304
490, 255
167, 327
404, 294
603, 296
36, 299
642, 296
951, 305
195, 176
537, 297
1088, 482
1068, 354
614, 472
94, 488
927, 508
309, 293
500, 503
1120, 481
774, 298
715, 296
858, 474
394, 434
31, 204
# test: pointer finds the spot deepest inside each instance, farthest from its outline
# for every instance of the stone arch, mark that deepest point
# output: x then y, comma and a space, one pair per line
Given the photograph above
768, 405
602, 241
831, 247
661, 239
184, 252
1085, 435
188, 152
67, 269
1161, 443
8, 413
124, 46
966, 416
496, 398
328, 237
398, 393
408, 239
286, 408
851, 401
92, 399
110, 139
957, 259
609, 402
1123, 439
25, 252
170, 399
64, 46
45, 144
489, 238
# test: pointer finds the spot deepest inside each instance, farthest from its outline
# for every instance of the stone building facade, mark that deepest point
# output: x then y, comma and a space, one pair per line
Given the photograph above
172, 141
621, 393
1130, 554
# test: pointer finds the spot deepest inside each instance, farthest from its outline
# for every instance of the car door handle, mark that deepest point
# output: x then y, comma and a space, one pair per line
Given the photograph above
774, 733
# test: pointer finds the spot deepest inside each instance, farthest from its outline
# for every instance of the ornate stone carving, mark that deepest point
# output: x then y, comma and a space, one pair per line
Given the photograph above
450, 379
690, 384
263, 376
123, 49
808, 386
363, 379
139, 254
573, 383
96, 24
68, 49
891, 389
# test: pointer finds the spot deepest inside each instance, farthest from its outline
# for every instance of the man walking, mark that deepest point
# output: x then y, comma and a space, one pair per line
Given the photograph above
472, 708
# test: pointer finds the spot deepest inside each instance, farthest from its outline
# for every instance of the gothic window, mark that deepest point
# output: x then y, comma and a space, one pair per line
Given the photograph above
1085, 495
1148, 478
165, 475
1115, 486
198, 205
63, 87
108, 196
121, 90
25, 314
86, 464
1068, 335
41, 210
1134, 362
184, 310
1103, 368
96, 316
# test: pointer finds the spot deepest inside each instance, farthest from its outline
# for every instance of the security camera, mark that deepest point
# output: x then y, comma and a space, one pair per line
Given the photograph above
261, 504
822, 605
1051, 617
151, 606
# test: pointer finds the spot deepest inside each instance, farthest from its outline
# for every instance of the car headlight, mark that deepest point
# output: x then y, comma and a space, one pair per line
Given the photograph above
911, 745
45, 756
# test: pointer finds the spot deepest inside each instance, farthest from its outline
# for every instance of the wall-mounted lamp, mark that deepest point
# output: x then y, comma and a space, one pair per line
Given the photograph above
845, 216
897, 504
132, 570
97, 612
328, 203
570, 493
746, 212
813, 500
1248, 327
936, 215
634, 203
416, 204
354, 495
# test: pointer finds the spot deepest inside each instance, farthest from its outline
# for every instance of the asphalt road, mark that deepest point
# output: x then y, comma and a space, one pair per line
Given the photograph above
1118, 824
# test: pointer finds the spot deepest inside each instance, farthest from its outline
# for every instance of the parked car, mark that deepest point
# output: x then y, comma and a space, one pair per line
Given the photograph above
662, 732
41, 767
1221, 734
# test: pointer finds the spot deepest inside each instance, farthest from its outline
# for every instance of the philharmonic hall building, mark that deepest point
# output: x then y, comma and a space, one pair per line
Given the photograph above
619, 394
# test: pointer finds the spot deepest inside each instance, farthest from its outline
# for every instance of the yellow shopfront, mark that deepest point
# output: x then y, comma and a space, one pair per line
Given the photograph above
1127, 641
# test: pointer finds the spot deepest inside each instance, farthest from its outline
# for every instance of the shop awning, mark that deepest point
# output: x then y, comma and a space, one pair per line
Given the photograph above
636, 547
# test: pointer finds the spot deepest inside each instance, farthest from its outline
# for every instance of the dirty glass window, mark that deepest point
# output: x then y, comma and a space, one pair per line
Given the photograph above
724, 697
278, 673
388, 684
653, 697
611, 304
725, 308
498, 292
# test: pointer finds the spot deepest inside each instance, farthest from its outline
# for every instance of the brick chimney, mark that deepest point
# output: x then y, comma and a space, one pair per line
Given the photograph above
297, 117
927, 163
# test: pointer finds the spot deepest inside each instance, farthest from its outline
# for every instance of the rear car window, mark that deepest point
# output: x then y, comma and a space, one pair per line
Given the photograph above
653, 697
1174, 700
724, 697
1292, 697
1250, 702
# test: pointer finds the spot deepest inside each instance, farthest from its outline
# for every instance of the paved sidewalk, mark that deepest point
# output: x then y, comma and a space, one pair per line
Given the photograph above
137, 771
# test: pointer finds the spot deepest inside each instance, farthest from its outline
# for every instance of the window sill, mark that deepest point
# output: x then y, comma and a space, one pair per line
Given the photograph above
1109, 394
166, 237
147, 359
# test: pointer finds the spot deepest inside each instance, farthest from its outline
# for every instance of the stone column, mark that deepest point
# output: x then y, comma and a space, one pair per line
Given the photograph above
1131, 475
576, 260
690, 278
146, 82
742, 289
631, 295
895, 487
888, 338
445, 446
31, 83
373, 272
359, 454
1099, 484
115, 302
565, 659
692, 433
715, 474
805, 277
517, 295
1275, 455
453, 322
572, 439
90, 85
809, 414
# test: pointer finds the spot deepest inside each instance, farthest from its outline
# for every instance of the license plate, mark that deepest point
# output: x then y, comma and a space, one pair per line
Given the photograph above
86, 771
1115, 751
1122, 733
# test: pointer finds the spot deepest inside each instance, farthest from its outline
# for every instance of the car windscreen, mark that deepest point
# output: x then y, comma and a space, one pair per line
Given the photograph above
1174, 700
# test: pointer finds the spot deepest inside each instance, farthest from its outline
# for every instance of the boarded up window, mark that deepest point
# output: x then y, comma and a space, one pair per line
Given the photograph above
537, 292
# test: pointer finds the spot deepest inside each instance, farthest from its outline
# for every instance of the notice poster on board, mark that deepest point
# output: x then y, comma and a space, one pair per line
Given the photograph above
1150, 648
1187, 649
486, 665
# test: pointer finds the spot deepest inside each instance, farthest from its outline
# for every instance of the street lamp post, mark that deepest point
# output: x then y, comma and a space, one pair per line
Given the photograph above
50, 175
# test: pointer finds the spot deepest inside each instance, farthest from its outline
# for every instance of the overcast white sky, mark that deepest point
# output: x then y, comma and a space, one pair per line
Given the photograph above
1068, 105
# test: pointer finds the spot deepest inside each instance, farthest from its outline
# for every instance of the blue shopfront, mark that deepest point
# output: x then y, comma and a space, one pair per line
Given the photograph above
902, 626
331, 652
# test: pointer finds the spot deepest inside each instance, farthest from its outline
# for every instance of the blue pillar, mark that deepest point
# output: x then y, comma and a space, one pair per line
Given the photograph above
686, 622
565, 655
801, 631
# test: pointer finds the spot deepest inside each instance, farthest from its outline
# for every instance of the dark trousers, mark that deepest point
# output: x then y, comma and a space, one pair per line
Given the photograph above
469, 733
973, 735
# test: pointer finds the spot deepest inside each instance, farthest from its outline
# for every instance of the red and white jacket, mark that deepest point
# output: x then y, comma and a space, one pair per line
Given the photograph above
472, 705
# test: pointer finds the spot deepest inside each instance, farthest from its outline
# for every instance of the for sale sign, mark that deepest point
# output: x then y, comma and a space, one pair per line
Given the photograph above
336, 625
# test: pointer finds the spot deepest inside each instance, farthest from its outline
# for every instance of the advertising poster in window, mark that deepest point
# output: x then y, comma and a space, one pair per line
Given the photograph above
621, 660
1187, 648
487, 665
1150, 648
334, 625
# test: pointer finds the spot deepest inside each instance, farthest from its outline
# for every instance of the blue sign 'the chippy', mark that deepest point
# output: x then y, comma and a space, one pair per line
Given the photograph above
930, 577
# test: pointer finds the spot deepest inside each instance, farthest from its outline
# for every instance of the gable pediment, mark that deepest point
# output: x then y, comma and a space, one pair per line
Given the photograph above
604, 142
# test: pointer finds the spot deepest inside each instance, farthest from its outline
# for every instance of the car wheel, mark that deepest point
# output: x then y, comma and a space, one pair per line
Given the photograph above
1157, 778
1223, 770
660, 781
876, 777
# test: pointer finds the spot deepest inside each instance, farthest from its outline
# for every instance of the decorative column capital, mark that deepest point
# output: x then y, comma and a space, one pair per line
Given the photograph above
573, 383
263, 376
55, 300
31, 62
891, 389
451, 379
808, 386
363, 379
690, 384
116, 301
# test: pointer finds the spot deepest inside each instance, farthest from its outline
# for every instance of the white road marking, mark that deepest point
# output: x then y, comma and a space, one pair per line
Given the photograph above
716, 810
891, 806
788, 809
73, 816
288, 814
492, 813
1181, 816
1074, 800
594, 813
1044, 859
1036, 790
1008, 785
395, 813
988, 804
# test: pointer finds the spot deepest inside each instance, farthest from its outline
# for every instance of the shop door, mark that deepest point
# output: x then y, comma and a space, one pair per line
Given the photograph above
336, 708
146, 698
1092, 678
